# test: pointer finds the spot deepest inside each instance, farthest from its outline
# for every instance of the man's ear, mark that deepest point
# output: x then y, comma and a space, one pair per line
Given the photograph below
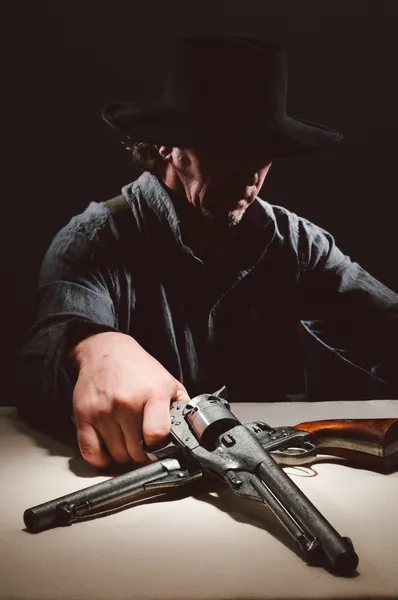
164, 151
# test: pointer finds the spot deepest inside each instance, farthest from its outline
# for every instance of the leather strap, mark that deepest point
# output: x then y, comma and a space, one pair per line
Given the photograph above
117, 204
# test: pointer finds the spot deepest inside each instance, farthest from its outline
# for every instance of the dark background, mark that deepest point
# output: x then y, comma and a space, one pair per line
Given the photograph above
62, 60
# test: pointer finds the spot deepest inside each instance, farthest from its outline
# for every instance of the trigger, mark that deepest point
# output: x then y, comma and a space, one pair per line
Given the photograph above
155, 454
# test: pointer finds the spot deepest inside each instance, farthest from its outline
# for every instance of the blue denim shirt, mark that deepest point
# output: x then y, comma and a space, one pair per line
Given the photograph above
231, 319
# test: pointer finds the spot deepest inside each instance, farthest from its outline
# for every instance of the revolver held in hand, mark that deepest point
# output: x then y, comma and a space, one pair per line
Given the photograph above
114, 406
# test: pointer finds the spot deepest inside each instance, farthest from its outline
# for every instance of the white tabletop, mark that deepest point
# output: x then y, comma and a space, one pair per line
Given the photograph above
208, 545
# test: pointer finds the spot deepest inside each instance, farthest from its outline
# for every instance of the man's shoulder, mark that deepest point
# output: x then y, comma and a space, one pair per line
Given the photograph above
104, 220
300, 234
97, 229
308, 240
285, 221
91, 222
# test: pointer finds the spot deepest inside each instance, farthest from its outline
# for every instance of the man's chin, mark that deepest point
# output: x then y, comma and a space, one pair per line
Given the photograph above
226, 218
235, 216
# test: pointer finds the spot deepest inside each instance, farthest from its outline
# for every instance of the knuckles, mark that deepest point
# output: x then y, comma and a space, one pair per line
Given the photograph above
158, 434
94, 456
123, 402
135, 401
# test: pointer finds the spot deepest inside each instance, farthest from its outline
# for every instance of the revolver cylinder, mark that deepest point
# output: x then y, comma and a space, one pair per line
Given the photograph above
209, 417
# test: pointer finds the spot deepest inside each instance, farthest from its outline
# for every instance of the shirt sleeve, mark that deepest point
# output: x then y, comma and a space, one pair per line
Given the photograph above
73, 300
344, 307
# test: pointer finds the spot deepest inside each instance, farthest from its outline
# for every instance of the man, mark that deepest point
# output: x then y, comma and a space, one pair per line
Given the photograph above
195, 282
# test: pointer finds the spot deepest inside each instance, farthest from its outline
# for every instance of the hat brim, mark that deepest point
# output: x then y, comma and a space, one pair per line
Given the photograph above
157, 124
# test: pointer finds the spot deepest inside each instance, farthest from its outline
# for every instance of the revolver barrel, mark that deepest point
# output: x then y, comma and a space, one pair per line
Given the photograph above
311, 531
69, 508
241, 456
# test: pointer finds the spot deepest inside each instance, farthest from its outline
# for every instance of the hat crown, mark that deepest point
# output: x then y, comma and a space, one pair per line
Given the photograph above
224, 77
220, 90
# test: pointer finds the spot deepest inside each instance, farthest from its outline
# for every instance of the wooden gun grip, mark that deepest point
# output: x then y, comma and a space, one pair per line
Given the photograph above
370, 442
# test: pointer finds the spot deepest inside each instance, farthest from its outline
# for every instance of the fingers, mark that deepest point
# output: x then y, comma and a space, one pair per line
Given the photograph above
114, 440
110, 440
114, 430
91, 445
131, 429
156, 421
156, 418
181, 393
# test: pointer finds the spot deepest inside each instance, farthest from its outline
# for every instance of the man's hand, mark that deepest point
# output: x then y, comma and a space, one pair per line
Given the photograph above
122, 395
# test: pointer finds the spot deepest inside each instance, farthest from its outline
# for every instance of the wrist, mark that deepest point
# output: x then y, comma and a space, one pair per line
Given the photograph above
79, 352
95, 345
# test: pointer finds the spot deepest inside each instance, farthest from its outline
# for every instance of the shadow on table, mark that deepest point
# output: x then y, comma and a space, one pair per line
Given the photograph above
65, 445
214, 492
56, 445
258, 515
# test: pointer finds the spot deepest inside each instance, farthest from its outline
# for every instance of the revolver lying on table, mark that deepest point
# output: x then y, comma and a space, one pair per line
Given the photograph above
206, 437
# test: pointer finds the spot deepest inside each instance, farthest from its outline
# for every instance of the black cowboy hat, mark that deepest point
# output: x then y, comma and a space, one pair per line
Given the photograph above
221, 91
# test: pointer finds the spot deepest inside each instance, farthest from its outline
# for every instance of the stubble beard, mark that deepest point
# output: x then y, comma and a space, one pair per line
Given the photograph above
228, 219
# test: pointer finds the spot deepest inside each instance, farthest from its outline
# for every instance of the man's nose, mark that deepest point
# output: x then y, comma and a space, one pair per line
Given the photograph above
252, 179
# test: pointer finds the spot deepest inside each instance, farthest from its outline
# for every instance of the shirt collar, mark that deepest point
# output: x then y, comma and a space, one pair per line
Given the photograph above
259, 225
149, 187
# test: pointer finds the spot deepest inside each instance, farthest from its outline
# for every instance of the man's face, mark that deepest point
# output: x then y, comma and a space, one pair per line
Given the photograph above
220, 183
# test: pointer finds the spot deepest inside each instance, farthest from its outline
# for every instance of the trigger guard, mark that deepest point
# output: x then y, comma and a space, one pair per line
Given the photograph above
295, 455
156, 454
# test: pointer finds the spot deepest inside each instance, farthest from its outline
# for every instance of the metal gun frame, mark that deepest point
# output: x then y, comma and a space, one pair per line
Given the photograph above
206, 437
